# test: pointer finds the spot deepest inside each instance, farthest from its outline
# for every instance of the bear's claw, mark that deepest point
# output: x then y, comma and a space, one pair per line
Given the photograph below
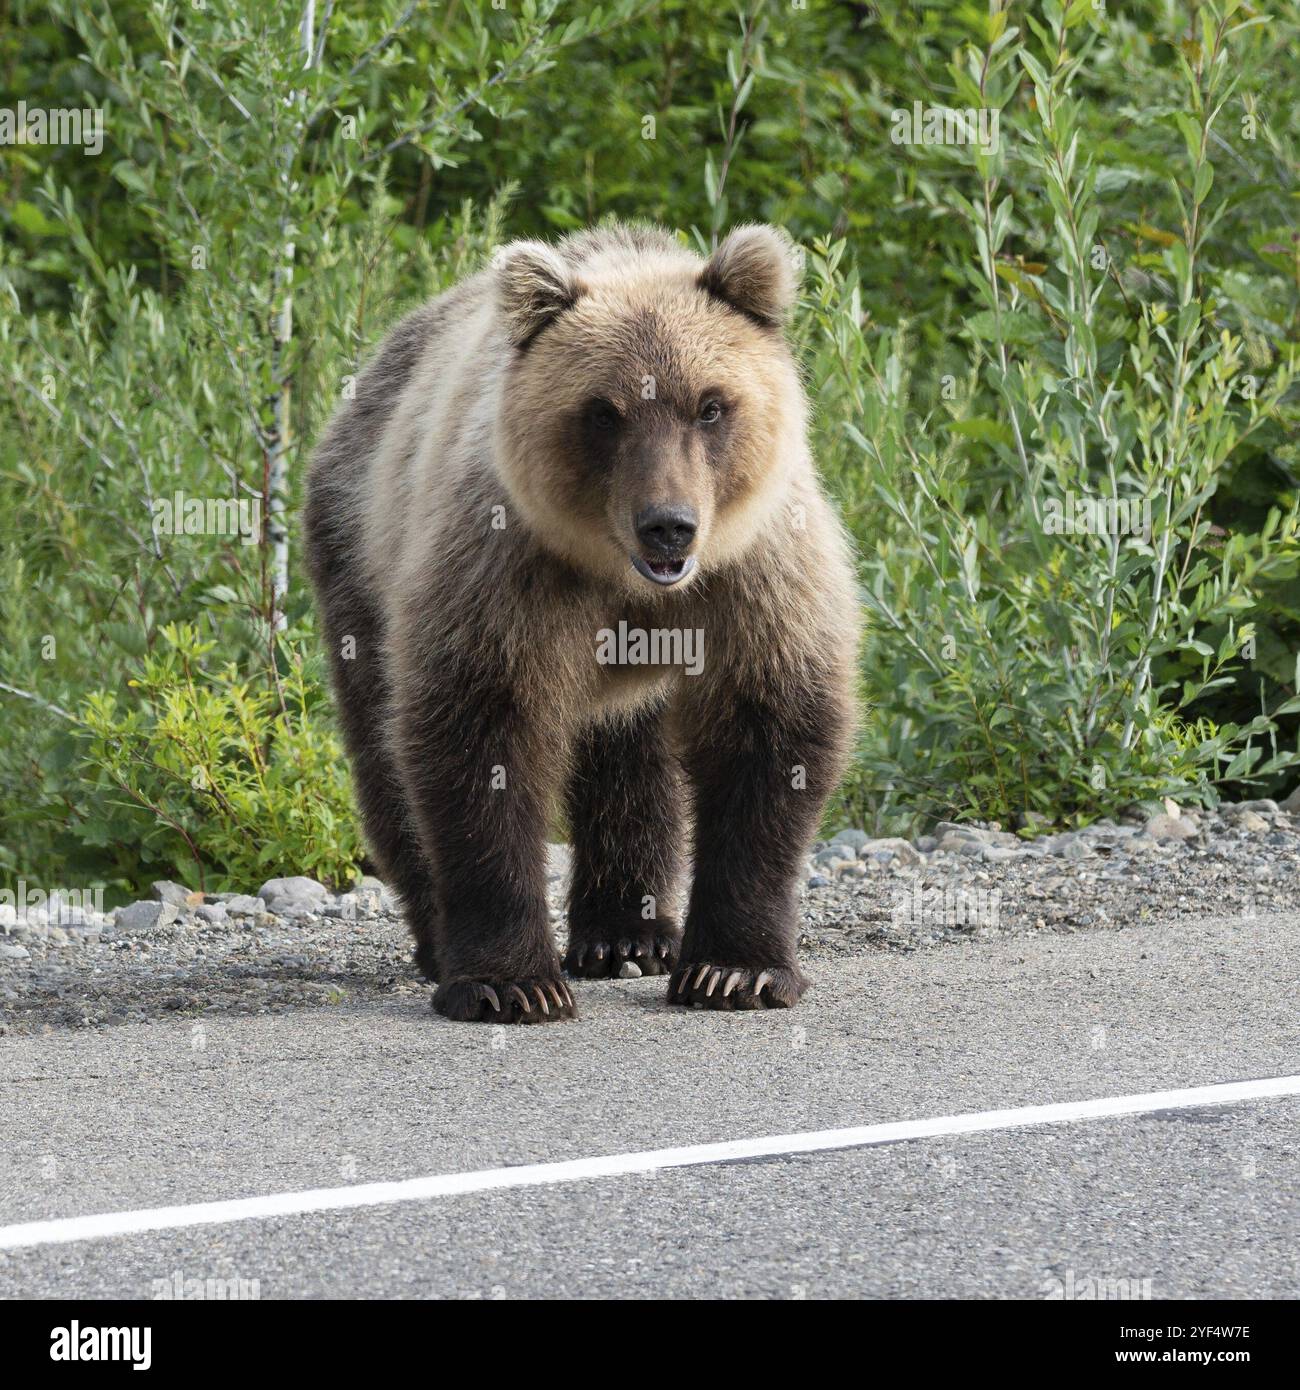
706, 985
653, 951
508, 1001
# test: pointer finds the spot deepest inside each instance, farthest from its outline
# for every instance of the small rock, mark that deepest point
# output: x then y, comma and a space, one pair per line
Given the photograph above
999, 854
242, 905
286, 895
373, 896
12, 952
176, 893
945, 828
893, 848
145, 916
817, 881
212, 913
854, 839
1251, 821
1108, 830
1292, 804
951, 844
1166, 827
629, 970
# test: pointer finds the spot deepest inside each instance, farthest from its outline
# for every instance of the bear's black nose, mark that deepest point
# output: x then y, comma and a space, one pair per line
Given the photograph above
666, 529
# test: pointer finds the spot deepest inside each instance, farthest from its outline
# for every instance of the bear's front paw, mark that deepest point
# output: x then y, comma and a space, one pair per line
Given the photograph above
505, 1001
707, 985
652, 949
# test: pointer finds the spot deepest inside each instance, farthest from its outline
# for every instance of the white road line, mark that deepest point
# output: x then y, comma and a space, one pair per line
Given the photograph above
374, 1194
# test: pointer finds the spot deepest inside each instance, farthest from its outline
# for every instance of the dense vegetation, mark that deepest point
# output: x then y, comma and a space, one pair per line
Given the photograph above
1088, 313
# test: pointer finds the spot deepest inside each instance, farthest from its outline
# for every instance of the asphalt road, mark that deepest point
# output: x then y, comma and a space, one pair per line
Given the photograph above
1202, 1202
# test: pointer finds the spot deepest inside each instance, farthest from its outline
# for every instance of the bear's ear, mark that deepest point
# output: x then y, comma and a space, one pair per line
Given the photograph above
754, 271
534, 285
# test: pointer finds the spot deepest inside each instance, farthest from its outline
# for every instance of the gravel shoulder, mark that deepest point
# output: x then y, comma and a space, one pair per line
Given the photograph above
295, 945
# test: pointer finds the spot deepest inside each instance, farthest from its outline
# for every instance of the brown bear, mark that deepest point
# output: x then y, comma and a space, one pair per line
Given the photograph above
571, 554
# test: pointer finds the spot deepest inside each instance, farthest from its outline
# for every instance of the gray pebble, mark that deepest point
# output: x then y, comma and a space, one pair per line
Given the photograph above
165, 891
145, 916
282, 895
945, 828
887, 849
1166, 827
999, 854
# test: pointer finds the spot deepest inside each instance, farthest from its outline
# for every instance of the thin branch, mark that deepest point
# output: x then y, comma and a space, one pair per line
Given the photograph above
110, 464
444, 117
319, 52
375, 48
36, 700
209, 73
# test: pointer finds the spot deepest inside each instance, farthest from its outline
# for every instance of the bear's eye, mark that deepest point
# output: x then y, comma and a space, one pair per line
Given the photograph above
711, 412
602, 416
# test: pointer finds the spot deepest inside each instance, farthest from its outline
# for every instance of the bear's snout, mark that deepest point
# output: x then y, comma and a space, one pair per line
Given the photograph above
667, 529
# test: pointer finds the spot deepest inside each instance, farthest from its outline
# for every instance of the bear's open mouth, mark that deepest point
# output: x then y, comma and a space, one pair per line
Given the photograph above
664, 571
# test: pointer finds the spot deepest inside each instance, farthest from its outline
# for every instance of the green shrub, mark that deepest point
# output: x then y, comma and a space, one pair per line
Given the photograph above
1011, 667
222, 783
1107, 306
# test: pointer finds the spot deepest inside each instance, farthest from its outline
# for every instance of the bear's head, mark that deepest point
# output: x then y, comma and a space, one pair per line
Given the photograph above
651, 415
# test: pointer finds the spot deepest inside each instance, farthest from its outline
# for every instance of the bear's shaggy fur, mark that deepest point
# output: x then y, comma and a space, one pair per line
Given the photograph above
609, 431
